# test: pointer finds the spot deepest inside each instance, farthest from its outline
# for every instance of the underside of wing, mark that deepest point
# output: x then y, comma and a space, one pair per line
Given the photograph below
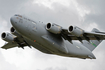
9, 45
13, 40
94, 35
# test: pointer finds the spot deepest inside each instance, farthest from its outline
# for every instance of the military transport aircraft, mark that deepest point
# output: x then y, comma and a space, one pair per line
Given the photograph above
51, 38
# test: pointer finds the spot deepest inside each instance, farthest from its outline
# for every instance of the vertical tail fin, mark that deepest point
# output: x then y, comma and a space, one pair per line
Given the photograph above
93, 43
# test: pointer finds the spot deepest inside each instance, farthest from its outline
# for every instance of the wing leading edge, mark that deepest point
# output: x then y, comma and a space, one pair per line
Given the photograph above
86, 36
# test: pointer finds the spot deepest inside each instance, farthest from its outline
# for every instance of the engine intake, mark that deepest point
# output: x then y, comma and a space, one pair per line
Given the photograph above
14, 32
7, 37
76, 31
53, 28
3, 35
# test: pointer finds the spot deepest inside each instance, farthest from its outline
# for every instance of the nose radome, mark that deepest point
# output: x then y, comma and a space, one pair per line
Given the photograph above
12, 20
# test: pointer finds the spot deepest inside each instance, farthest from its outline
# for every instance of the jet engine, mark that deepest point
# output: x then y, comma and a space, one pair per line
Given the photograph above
76, 31
7, 37
14, 32
53, 28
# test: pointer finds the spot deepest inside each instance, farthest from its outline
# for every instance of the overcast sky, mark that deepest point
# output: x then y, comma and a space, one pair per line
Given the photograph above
87, 14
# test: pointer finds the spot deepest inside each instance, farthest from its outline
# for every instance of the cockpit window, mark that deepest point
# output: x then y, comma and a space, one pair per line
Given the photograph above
15, 15
18, 15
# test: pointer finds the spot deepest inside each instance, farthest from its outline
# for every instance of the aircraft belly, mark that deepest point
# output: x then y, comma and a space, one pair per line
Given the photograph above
39, 47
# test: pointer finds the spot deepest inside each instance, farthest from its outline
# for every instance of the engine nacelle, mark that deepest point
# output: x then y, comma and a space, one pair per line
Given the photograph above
14, 32
53, 28
76, 31
7, 37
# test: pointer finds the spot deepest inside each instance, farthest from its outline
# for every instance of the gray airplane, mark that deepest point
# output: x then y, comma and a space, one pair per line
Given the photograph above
51, 38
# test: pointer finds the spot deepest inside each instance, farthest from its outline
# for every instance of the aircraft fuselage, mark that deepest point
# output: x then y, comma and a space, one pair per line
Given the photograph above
36, 35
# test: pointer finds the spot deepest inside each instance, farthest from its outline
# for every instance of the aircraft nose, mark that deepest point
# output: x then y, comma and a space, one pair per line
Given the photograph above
12, 20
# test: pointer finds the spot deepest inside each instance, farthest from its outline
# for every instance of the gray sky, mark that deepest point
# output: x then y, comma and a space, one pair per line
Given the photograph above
86, 14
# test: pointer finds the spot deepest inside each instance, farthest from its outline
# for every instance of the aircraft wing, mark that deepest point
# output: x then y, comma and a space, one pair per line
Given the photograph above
14, 41
94, 35
15, 44
9, 45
